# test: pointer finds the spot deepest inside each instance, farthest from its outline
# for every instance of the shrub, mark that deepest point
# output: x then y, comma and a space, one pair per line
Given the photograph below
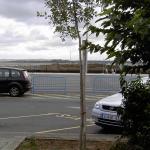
136, 114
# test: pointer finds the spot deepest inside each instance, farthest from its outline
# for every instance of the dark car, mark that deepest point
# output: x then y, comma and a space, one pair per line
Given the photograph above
14, 81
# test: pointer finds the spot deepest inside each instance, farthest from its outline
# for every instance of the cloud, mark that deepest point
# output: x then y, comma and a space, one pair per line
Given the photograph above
23, 35
55, 41
18, 35
13, 33
22, 10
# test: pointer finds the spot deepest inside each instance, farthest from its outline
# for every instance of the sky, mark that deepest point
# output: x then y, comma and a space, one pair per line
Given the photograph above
23, 35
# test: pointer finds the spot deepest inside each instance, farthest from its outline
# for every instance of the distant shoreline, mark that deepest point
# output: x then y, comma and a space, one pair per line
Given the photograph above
50, 61
60, 66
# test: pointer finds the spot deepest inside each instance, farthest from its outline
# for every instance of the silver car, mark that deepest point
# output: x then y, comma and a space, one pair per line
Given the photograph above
104, 112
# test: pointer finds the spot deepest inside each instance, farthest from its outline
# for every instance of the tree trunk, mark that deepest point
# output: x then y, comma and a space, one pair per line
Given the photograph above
83, 68
82, 87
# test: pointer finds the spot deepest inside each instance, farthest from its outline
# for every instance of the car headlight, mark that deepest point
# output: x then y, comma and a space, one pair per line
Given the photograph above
97, 106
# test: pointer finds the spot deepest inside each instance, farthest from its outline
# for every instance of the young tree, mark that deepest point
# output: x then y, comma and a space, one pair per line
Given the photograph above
70, 17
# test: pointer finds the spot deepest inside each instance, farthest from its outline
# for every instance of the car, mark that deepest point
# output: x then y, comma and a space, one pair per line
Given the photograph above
14, 81
104, 112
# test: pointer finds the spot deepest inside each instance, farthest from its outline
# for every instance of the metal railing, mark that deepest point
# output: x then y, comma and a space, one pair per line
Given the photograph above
106, 84
70, 83
49, 84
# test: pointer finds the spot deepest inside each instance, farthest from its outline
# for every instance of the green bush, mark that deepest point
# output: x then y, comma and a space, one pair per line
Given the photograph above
125, 146
136, 114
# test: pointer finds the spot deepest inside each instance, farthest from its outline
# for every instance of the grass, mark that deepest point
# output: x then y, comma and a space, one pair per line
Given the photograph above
60, 144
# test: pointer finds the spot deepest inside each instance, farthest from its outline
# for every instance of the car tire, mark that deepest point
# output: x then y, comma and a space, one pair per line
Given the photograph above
15, 91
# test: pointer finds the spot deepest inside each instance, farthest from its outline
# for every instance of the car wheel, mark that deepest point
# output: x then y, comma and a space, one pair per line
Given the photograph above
14, 91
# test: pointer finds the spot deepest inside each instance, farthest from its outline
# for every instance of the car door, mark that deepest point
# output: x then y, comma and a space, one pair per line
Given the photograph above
4, 79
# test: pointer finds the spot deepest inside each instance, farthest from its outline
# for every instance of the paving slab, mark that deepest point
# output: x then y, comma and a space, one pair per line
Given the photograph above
10, 143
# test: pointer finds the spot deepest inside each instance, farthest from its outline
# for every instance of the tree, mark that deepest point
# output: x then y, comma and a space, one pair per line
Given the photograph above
126, 26
69, 18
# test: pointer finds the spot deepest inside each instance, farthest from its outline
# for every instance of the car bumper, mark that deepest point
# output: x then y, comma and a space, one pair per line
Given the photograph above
27, 88
106, 118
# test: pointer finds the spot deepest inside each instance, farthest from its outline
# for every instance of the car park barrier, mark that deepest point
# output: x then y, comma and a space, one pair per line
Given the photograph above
49, 84
70, 83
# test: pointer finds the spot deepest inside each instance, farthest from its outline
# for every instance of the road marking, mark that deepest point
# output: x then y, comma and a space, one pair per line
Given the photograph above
61, 129
67, 116
62, 95
74, 107
52, 96
29, 116
56, 97
58, 115
69, 97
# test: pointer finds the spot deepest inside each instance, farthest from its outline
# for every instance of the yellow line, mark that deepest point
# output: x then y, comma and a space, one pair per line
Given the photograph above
62, 129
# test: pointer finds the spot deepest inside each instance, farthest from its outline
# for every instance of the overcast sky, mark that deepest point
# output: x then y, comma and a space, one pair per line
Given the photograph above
23, 35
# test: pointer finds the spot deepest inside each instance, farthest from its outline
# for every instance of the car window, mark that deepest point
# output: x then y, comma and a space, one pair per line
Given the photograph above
1, 73
4, 73
26, 75
15, 73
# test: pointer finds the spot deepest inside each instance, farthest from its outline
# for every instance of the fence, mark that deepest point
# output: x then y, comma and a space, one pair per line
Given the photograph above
70, 83
48, 84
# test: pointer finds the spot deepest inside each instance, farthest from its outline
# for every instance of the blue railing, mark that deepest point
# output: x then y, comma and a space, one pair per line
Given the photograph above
70, 83
106, 84
49, 84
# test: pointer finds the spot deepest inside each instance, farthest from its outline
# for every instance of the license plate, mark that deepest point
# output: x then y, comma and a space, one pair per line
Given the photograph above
109, 117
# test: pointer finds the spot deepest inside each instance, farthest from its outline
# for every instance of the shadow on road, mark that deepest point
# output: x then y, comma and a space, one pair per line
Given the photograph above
7, 95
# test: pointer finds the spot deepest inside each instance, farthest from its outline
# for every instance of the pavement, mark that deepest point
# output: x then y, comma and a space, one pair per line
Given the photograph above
76, 136
12, 142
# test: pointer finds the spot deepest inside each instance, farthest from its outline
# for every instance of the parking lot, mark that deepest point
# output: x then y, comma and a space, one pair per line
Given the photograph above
44, 114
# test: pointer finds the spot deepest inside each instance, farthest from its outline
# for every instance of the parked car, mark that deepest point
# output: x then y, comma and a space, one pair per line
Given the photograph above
14, 81
104, 112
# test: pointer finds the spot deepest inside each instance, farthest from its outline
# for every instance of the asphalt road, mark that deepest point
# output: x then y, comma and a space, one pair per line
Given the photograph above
44, 114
